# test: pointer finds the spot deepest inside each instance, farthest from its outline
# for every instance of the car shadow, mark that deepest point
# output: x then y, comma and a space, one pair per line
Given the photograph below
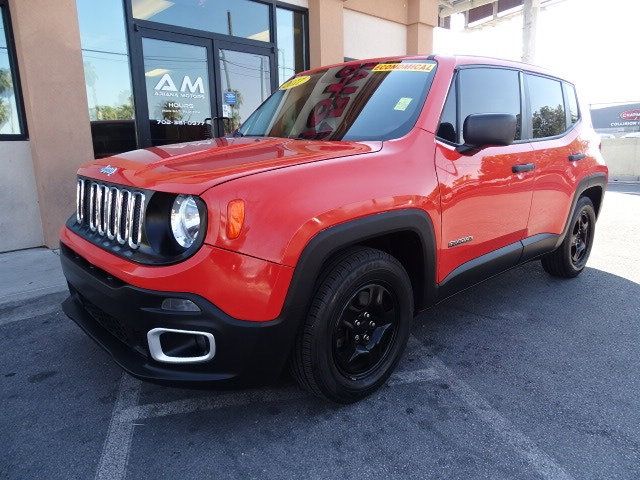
488, 317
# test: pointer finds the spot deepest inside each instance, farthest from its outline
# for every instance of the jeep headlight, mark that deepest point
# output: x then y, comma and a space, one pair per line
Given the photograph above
185, 220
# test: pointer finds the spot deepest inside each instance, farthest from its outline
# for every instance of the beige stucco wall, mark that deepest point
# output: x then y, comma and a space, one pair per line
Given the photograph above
299, 3
339, 28
20, 225
366, 36
623, 157
48, 48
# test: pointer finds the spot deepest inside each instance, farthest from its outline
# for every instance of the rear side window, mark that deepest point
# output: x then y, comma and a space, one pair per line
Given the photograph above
490, 90
548, 116
572, 103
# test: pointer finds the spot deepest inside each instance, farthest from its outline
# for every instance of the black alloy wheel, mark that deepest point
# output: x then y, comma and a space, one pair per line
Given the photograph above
365, 330
580, 238
570, 258
357, 326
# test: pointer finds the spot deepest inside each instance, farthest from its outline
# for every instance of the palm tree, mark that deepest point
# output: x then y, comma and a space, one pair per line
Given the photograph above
6, 88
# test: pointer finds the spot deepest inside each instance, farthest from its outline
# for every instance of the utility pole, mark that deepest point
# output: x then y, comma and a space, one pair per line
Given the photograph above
530, 10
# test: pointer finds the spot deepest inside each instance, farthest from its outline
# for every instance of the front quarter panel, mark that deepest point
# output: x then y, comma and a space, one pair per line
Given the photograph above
286, 208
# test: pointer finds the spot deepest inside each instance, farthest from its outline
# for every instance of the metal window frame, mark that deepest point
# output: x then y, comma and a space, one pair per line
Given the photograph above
15, 77
134, 28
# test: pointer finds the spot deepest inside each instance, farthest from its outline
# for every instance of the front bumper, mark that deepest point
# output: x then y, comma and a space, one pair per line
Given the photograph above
118, 316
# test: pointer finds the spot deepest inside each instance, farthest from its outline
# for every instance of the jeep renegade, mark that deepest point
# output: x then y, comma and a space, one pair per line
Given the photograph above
355, 196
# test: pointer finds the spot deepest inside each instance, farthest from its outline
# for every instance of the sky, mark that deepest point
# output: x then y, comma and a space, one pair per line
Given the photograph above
593, 43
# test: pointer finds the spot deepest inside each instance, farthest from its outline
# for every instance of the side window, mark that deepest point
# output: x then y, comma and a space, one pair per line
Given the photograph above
447, 130
572, 103
490, 90
548, 116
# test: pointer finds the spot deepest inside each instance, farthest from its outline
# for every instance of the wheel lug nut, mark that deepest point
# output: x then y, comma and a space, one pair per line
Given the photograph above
357, 337
357, 323
365, 338
372, 324
366, 315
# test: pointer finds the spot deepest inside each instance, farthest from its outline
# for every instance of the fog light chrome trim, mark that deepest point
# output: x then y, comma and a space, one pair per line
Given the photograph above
155, 346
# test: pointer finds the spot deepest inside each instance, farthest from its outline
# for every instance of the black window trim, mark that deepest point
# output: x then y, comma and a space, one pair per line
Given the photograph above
15, 76
568, 127
567, 89
525, 104
454, 82
456, 79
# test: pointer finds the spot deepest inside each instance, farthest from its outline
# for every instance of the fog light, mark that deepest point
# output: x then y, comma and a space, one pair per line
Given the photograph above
179, 305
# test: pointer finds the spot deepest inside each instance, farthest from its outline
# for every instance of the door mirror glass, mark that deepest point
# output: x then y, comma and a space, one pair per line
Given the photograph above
485, 129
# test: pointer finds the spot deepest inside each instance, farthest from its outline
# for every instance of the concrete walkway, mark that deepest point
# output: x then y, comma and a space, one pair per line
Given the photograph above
27, 274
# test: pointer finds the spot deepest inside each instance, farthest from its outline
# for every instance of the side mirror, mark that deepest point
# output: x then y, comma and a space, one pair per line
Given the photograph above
480, 130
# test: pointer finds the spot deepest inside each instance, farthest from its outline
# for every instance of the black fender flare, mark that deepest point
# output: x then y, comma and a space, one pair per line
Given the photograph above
328, 242
594, 180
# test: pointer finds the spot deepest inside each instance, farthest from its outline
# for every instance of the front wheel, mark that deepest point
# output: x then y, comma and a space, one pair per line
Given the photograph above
357, 326
570, 258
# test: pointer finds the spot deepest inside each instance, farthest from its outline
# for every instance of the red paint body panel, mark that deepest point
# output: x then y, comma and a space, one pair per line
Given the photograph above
294, 189
194, 167
286, 208
243, 287
481, 197
557, 177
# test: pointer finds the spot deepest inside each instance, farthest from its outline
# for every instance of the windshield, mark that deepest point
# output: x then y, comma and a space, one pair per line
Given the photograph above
368, 101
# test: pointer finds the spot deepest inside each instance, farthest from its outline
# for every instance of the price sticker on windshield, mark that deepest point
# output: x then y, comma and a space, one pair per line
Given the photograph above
403, 67
402, 104
295, 82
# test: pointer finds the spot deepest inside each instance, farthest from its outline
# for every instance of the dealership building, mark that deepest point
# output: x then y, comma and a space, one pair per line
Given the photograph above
84, 79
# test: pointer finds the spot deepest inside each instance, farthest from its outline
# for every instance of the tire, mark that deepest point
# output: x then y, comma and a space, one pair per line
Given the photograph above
570, 258
340, 352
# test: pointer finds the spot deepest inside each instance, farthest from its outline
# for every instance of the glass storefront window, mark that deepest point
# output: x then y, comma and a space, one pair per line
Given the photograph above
10, 119
291, 43
107, 76
240, 18
246, 83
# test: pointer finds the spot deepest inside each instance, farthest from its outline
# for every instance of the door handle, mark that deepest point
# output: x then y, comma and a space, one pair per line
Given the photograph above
574, 157
523, 167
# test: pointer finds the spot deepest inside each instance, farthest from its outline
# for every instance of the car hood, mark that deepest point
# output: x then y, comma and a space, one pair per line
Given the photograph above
194, 167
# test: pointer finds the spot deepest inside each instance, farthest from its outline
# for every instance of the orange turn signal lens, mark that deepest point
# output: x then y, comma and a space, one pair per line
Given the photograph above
235, 218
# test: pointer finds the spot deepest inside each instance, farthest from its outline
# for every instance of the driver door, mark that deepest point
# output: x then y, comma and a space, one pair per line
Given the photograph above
485, 204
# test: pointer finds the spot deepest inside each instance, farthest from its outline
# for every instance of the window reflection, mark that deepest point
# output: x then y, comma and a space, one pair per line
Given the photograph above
490, 90
240, 18
547, 106
178, 96
246, 83
107, 76
291, 43
9, 116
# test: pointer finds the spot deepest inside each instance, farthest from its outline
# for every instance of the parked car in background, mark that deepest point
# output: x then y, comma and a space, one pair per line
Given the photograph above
355, 196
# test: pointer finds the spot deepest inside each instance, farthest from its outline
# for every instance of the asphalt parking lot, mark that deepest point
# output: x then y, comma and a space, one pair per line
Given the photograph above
523, 377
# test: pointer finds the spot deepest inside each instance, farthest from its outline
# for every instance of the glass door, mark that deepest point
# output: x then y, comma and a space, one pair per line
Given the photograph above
179, 88
191, 88
246, 79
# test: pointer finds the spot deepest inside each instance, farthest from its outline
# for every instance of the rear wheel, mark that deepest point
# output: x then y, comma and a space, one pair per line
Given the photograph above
570, 258
357, 326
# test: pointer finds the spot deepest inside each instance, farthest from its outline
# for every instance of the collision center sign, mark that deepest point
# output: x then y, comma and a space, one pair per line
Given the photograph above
616, 116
